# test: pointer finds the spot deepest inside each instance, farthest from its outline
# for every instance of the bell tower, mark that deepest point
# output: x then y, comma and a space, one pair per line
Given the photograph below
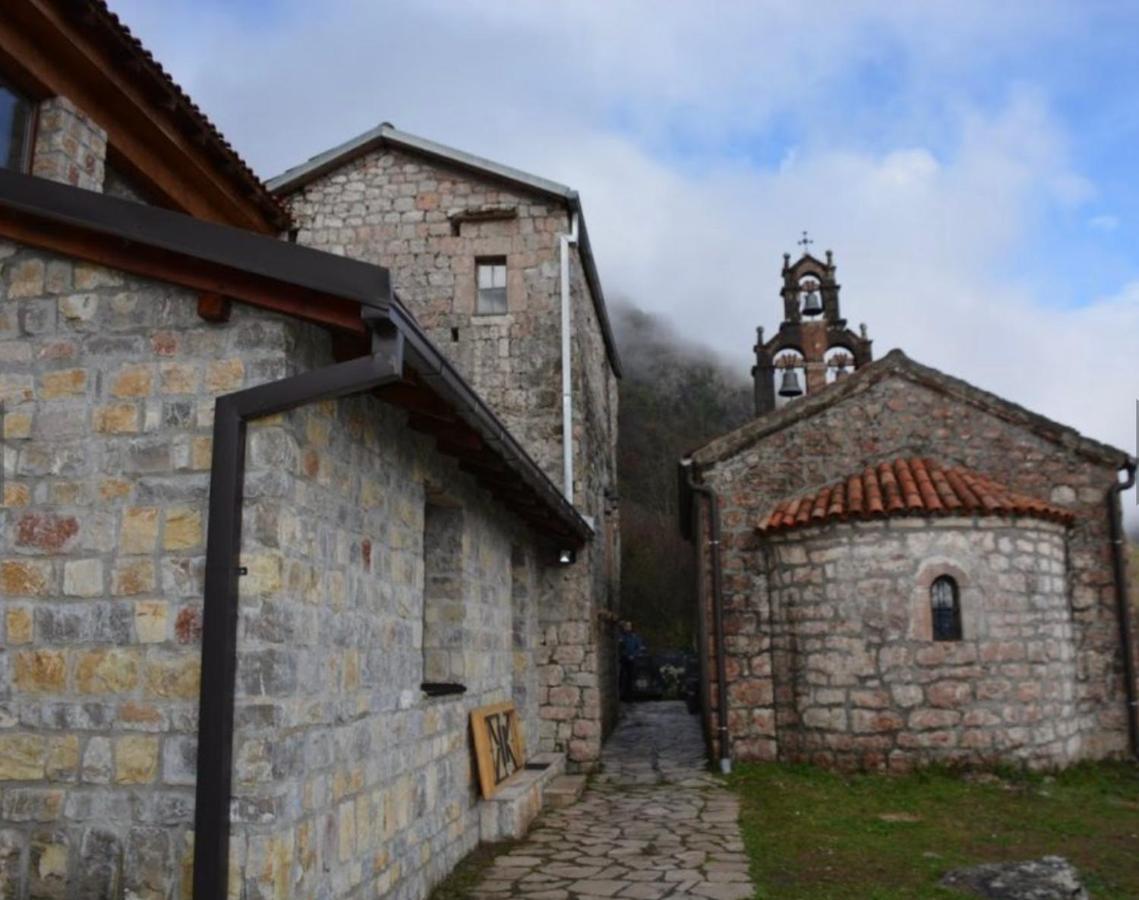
813, 346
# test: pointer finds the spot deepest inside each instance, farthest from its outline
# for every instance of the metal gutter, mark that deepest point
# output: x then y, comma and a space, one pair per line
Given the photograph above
387, 134
692, 530
231, 248
723, 737
1119, 571
564, 242
184, 244
442, 377
213, 792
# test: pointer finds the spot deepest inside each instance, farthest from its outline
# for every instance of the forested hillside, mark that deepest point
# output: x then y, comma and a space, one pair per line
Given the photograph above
674, 396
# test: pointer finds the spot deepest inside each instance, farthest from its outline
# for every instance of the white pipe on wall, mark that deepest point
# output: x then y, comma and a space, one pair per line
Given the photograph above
567, 373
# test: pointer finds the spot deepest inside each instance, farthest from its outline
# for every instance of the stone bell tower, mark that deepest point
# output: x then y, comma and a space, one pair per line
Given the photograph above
813, 346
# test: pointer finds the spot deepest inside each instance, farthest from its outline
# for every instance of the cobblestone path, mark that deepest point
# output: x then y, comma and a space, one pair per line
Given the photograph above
652, 824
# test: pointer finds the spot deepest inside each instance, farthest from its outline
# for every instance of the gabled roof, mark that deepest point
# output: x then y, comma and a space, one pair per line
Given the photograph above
387, 135
309, 284
907, 487
112, 60
897, 364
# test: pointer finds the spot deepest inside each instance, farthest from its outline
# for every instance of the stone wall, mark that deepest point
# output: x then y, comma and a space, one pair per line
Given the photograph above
108, 384
859, 682
406, 213
345, 778
69, 146
896, 416
429, 224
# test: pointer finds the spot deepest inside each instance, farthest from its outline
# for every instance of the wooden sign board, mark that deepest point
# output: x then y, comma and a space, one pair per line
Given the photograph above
499, 752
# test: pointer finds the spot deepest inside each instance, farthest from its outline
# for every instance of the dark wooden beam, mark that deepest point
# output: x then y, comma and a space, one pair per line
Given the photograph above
417, 400
485, 466
214, 307
65, 56
451, 441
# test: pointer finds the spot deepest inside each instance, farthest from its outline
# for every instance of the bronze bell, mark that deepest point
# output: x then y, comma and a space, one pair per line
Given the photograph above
789, 387
812, 304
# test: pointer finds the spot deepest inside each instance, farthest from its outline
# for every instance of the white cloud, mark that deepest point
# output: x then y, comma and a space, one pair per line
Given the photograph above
930, 198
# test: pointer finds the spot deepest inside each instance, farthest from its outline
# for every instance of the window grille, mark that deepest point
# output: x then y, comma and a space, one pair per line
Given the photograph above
946, 607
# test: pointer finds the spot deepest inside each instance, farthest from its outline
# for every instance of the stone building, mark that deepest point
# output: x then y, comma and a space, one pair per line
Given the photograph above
497, 267
264, 543
898, 568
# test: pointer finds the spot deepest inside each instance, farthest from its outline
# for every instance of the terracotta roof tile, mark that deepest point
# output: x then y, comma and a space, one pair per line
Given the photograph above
908, 486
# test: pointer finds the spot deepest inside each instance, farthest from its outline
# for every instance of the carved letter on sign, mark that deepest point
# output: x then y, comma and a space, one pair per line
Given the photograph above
498, 745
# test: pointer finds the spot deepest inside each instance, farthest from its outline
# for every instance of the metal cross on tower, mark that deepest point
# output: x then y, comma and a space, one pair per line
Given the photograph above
805, 242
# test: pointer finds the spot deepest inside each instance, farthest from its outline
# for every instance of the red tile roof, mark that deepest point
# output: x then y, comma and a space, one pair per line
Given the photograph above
908, 486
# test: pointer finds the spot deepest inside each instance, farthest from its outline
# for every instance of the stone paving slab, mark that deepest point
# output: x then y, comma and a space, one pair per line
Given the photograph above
653, 824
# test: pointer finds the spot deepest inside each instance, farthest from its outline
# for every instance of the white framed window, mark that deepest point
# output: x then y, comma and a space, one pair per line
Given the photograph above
491, 275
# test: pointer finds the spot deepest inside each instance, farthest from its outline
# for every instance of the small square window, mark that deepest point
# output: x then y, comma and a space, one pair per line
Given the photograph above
491, 286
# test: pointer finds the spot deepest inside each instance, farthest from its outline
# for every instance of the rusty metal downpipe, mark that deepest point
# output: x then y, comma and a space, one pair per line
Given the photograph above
717, 612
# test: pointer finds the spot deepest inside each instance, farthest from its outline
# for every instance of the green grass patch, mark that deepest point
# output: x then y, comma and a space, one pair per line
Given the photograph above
815, 834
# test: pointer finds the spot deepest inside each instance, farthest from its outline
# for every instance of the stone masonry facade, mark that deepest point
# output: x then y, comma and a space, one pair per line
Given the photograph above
69, 146
346, 779
430, 224
879, 418
859, 682
107, 384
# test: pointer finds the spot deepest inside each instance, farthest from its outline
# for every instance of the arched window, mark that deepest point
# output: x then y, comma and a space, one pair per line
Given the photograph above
946, 608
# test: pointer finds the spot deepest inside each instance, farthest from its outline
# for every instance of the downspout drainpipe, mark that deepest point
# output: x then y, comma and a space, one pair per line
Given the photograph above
567, 373
214, 789
701, 609
1119, 569
717, 615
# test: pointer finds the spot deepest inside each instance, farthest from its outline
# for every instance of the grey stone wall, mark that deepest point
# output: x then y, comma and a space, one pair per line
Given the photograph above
406, 213
371, 553
108, 384
413, 216
69, 146
346, 779
857, 679
898, 417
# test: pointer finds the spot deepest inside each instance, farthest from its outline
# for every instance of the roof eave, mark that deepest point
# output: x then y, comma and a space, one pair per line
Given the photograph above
265, 271
896, 362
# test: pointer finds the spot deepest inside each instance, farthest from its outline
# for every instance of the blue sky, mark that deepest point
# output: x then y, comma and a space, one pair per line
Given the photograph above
970, 164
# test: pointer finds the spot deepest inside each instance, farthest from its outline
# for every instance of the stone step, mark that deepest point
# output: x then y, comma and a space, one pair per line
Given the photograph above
564, 790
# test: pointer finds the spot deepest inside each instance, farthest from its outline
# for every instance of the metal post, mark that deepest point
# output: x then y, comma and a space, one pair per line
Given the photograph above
232, 412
